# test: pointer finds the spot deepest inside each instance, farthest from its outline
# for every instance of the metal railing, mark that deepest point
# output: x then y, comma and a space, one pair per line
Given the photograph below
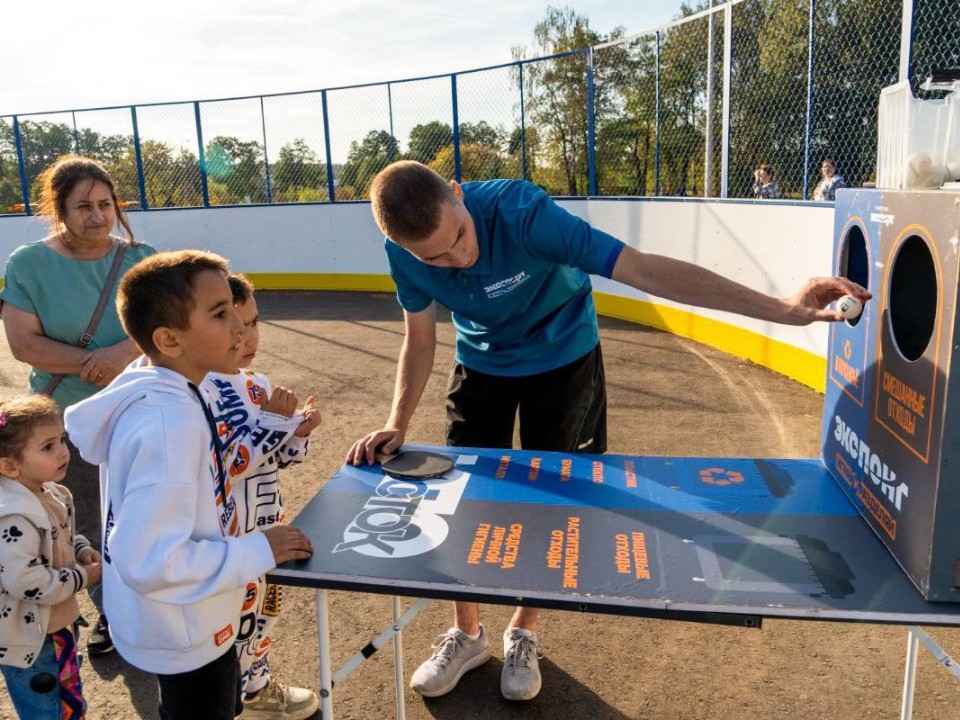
687, 109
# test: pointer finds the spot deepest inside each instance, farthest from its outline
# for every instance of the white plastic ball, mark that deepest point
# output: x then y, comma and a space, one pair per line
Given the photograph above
850, 307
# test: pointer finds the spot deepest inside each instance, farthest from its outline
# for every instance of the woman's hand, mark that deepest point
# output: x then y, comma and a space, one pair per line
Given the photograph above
104, 364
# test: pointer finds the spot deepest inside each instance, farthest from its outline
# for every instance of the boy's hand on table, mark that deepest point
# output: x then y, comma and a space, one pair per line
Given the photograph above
288, 543
311, 418
282, 402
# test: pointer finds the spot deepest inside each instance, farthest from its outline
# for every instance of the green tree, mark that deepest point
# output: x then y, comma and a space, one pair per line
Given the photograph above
235, 171
427, 139
41, 144
11, 198
171, 177
298, 175
364, 160
626, 135
482, 133
477, 162
557, 95
853, 63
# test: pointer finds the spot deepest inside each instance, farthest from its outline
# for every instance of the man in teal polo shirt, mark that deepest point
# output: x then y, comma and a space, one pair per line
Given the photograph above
513, 267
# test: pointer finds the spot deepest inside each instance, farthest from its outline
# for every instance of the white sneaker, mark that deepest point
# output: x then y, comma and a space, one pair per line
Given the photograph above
520, 679
277, 701
454, 655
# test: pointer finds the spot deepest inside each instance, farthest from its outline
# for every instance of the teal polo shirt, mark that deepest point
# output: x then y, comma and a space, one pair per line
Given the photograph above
63, 293
525, 307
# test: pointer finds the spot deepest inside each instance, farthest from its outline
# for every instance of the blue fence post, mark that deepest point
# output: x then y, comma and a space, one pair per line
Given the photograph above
266, 157
656, 120
457, 174
591, 129
523, 127
24, 188
204, 190
393, 142
331, 189
141, 182
809, 131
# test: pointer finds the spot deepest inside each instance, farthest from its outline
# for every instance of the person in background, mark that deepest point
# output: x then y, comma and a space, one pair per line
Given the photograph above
51, 289
832, 181
764, 186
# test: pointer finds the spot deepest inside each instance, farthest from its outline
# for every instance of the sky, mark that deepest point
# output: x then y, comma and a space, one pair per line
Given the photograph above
62, 55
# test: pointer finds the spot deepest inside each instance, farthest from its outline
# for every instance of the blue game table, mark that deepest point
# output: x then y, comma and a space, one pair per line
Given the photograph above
729, 540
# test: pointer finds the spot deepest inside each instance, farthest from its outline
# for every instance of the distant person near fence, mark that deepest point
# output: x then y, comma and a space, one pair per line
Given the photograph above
832, 181
764, 186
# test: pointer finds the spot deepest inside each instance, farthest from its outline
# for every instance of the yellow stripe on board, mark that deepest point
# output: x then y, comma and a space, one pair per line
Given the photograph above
800, 365
364, 282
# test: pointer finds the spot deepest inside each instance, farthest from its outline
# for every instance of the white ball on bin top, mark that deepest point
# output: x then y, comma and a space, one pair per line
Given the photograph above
850, 307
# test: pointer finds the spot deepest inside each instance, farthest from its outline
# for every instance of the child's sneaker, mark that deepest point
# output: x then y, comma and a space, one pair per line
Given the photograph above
520, 679
100, 642
277, 701
454, 654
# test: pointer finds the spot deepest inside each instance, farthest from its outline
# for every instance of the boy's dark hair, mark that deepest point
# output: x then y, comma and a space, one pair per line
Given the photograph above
158, 292
241, 287
18, 417
406, 198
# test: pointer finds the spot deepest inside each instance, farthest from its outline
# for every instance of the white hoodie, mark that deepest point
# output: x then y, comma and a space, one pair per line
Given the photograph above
173, 579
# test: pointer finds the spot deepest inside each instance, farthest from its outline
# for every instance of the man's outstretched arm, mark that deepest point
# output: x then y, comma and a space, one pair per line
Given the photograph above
691, 284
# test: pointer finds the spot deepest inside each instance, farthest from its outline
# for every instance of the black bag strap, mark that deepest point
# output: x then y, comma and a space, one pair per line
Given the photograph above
87, 336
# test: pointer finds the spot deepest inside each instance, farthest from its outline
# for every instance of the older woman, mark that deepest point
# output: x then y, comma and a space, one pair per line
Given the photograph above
51, 289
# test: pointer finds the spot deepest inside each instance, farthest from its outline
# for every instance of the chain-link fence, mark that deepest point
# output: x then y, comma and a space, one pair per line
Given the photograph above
691, 109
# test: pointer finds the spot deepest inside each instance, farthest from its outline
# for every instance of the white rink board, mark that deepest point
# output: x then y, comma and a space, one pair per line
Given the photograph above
771, 246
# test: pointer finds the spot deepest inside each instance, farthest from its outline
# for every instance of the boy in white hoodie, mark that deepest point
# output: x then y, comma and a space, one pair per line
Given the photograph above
175, 566
262, 432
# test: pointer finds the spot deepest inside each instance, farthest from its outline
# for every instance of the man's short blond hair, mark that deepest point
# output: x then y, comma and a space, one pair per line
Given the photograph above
406, 199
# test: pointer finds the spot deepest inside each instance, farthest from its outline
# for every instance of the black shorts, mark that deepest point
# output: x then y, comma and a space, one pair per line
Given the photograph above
563, 410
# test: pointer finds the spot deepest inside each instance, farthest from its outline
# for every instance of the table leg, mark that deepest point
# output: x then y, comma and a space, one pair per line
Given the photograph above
909, 676
326, 679
398, 660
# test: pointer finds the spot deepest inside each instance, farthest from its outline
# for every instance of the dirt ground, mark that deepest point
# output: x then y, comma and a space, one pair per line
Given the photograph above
667, 396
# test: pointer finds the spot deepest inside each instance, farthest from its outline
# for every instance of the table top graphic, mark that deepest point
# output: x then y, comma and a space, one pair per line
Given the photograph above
730, 540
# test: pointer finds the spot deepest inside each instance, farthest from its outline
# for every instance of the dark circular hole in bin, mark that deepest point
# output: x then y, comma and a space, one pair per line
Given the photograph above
854, 261
913, 297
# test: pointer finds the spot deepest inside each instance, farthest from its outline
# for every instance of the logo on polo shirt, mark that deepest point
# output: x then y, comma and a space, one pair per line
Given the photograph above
507, 285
